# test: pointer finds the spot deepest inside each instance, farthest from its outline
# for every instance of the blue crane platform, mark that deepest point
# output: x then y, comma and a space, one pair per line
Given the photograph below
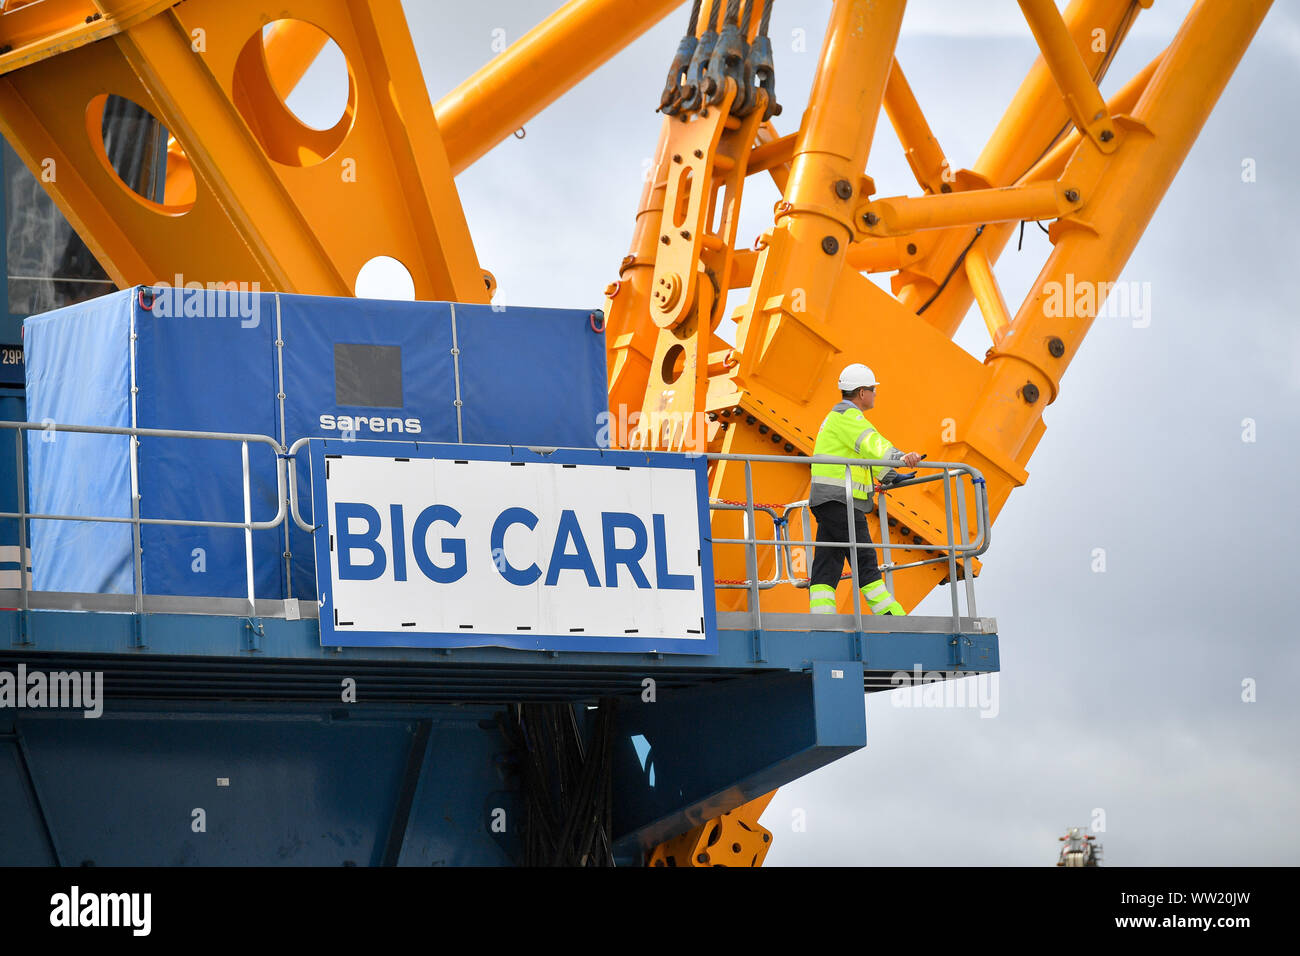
274, 591
209, 655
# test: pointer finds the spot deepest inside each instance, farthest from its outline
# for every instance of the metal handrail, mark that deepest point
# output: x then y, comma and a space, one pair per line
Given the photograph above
248, 524
777, 520
951, 474
291, 457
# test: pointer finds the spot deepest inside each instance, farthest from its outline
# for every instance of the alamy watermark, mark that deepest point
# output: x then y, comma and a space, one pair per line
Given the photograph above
634, 429
1087, 299
62, 690
946, 689
74, 908
207, 300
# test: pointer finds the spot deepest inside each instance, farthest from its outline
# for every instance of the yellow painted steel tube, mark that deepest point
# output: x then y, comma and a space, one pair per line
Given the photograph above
1025, 133
993, 307
291, 48
542, 65
833, 145
901, 215
1052, 164
1037, 112
1174, 107
919, 145
846, 94
1073, 78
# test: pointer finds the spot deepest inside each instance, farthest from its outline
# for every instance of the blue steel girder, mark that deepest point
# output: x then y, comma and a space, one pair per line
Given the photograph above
757, 735
210, 656
777, 703
175, 783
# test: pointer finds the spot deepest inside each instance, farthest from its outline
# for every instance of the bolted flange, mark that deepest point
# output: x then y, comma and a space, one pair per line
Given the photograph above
667, 291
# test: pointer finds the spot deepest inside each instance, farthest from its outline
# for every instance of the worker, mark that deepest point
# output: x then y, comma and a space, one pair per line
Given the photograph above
846, 433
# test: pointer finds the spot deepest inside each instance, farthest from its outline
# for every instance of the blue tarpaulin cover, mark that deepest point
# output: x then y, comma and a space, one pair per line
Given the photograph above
207, 361
78, 373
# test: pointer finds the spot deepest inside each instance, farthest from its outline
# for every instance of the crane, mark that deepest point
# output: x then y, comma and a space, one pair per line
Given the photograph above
1079, 849
251, 193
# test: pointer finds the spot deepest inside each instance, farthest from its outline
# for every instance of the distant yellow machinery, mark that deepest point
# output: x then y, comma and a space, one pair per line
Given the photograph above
259, 196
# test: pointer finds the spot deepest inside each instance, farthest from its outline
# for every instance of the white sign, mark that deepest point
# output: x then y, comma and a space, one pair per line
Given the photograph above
529, 551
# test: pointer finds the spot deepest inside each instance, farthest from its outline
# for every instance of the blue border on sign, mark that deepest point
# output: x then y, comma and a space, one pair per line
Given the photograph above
320, 449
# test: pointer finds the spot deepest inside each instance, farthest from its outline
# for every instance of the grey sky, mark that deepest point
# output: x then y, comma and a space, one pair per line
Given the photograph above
1119, 690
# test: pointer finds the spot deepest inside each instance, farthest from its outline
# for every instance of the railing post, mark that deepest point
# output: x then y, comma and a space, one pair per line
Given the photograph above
782, 550
853, 548
137, 548
952, 555
885, 551
805, 522
293, 489
983, 522
967, 572
751, 550
248, 531
281, 469
24, 617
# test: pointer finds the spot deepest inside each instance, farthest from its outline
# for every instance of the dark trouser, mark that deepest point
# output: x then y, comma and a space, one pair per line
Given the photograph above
828, 562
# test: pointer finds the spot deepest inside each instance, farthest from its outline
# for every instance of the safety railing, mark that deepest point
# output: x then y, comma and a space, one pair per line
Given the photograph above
292, 459
954, 477
248, 525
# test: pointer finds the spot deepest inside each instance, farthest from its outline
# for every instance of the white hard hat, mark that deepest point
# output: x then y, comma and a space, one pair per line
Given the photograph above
856, 376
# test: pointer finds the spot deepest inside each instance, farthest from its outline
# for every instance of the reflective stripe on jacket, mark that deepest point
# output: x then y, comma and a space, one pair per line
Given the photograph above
846, 433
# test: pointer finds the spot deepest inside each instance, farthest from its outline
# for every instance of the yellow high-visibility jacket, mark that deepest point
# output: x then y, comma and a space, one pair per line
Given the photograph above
846, 433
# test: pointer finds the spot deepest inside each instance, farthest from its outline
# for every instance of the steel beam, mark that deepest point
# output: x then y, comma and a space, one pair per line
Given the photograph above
276, 202
536, 70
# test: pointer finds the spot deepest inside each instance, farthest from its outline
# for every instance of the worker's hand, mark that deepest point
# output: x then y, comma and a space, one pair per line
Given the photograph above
911, 459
